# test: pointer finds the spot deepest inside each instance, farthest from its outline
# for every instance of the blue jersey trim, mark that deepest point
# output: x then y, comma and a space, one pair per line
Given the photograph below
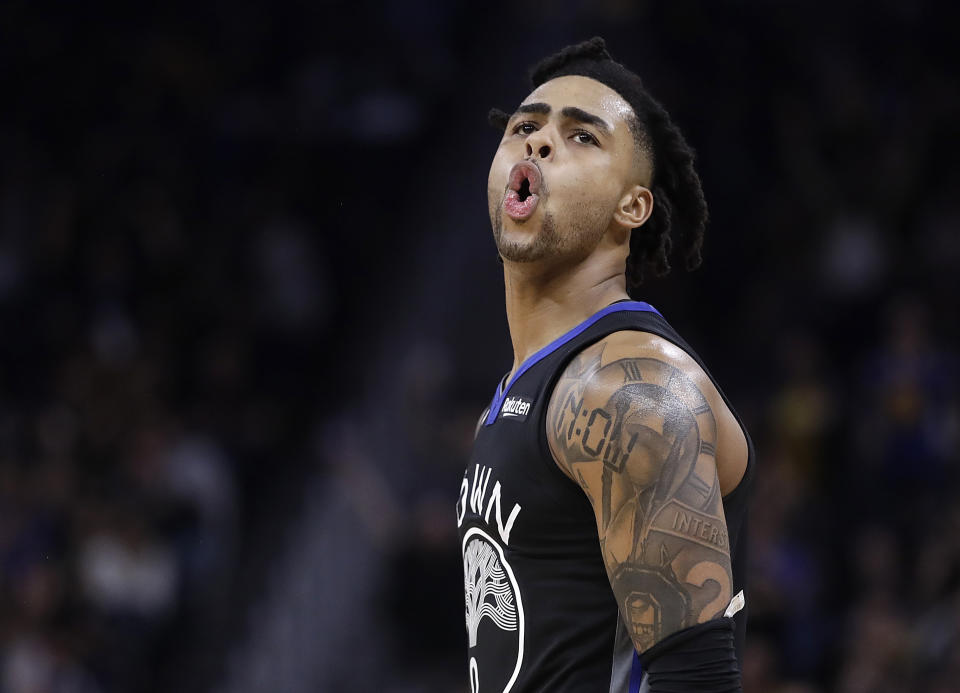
636, 674
559, 342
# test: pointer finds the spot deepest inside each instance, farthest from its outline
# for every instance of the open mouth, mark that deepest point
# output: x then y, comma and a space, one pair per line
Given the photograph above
523, 191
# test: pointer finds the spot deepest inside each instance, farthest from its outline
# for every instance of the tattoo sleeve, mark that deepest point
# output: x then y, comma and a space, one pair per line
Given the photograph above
640, 438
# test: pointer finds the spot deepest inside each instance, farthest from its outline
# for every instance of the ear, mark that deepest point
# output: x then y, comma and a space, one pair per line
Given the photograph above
635, 207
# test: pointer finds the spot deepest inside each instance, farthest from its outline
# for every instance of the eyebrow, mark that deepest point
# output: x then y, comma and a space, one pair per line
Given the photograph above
571, 112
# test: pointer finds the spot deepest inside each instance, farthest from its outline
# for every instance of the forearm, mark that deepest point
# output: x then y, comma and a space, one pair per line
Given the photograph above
699, 659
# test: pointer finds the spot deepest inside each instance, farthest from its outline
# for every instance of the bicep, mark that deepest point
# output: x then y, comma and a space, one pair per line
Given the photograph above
640, 437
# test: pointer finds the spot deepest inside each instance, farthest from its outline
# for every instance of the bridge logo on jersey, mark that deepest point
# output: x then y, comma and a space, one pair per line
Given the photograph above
516, 408
494, 614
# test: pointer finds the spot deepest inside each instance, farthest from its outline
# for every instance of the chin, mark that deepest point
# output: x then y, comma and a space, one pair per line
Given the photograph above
529, 240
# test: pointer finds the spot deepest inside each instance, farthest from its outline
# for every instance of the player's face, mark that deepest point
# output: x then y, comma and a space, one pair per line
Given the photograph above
565, 161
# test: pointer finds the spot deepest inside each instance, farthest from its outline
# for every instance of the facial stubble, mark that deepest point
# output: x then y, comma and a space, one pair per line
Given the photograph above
585, 233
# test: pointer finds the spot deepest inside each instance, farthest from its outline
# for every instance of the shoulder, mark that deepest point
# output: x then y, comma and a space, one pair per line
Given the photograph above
636, 344
632, 356
617, 378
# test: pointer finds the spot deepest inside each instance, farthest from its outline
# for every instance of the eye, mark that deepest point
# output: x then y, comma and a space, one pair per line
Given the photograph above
524, 128
584, 137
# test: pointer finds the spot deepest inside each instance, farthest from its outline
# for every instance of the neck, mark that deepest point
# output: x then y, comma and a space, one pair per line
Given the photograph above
541, 307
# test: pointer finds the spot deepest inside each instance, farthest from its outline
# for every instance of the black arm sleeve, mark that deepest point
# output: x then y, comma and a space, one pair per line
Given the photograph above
699, 659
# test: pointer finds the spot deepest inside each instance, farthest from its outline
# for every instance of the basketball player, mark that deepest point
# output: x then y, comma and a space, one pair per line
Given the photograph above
602, 510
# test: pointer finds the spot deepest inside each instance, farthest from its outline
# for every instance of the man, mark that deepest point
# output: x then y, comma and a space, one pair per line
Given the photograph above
601, 513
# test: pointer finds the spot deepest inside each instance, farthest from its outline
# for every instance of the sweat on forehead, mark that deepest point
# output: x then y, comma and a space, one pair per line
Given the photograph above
584, 92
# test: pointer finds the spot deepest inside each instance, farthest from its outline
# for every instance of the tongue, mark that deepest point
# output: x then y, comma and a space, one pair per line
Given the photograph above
517, 208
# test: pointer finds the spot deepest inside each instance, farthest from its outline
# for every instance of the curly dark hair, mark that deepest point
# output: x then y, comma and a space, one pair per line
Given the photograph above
679, 218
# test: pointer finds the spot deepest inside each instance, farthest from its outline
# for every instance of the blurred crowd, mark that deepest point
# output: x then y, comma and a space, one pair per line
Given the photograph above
162, 307
224, 226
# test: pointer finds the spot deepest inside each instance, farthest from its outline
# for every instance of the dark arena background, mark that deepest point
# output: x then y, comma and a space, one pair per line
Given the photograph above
250, 310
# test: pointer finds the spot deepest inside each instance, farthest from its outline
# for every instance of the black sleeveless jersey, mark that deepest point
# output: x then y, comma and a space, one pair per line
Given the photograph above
540, 612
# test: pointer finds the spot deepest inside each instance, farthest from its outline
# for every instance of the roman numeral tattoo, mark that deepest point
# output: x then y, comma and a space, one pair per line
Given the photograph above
631, 372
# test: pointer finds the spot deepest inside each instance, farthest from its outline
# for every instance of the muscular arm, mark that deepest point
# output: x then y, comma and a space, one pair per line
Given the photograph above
631, 426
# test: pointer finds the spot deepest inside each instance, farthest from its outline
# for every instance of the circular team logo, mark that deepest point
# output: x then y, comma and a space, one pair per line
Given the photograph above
494, 615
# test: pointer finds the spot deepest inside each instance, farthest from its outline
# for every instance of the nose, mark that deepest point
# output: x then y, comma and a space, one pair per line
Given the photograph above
540, 144
543, 151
